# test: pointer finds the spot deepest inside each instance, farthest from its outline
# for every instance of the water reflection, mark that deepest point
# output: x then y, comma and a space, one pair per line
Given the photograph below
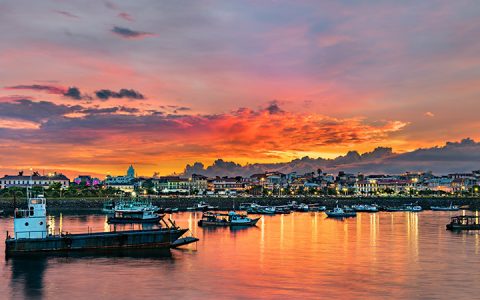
27, 276
301, 255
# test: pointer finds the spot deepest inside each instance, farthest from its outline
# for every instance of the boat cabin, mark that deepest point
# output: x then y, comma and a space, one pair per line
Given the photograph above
31, 223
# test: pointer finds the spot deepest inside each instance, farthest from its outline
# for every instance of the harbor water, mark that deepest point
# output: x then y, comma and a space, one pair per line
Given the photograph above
300, 255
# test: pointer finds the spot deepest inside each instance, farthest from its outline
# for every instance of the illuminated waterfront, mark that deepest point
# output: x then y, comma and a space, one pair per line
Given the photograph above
402, 255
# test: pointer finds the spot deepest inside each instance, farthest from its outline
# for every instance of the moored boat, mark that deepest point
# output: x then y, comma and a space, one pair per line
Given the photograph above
127, 216
451, 207
202, 206
30, 234
365, 208
230, 219
338, 212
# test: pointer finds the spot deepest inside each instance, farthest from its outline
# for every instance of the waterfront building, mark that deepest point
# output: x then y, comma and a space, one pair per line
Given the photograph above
87, 180
227, 184
36, 179
369, 186
126, 179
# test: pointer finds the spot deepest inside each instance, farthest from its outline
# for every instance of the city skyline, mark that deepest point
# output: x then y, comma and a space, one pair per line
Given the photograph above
96, 87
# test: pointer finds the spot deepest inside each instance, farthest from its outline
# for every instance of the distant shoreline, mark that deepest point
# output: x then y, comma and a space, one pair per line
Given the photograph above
72, 204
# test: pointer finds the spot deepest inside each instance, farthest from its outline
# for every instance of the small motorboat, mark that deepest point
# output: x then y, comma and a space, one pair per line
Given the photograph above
338, 212
266, 210
316, 207
302, 207
445, 208
464, 223
282, 209
202, 206
365, 208
415, 208
230, 219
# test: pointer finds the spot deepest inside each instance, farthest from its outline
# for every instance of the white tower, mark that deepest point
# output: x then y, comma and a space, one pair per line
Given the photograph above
31, 223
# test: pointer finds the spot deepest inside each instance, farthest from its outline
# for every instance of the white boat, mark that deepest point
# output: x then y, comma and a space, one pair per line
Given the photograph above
365, 208
338, 212
123, 216
415, 208
202, 206
266, 210
445, 208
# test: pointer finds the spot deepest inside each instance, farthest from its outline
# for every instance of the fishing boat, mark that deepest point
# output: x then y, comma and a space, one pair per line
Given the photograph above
230, 219
451, 207
202, 206
30, 234
464, 223
365, 208
338, 212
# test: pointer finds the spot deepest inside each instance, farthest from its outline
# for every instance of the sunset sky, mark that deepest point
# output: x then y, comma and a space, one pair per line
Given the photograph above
88, 87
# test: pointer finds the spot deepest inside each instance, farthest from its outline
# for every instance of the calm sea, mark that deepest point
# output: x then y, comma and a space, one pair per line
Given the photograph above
301, 255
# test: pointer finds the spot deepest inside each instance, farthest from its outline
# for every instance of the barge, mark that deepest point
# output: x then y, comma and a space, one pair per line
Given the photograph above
464, 223
31, 235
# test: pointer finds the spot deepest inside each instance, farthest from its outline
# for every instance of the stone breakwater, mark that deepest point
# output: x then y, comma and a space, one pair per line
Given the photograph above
182, 203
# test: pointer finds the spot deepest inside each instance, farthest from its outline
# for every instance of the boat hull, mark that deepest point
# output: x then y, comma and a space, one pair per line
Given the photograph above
156, 238
455, 227
438, 208
341, 215
204, 223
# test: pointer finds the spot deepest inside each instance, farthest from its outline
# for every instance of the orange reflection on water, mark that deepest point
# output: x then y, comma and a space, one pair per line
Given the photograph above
378, 255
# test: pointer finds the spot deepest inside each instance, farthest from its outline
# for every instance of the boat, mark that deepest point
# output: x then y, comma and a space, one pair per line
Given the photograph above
30, 234
282, 209
396, 208
464, 223
134, 216
302, 207
230, 219
262, 210
136, 205
445, 208
266, 210
338, 212
202, 206
415, 208
316, 207
405, 207
365, 208
245, 206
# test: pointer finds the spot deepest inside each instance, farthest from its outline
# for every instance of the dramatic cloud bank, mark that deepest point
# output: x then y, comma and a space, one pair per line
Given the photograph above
154, 135
461, 156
